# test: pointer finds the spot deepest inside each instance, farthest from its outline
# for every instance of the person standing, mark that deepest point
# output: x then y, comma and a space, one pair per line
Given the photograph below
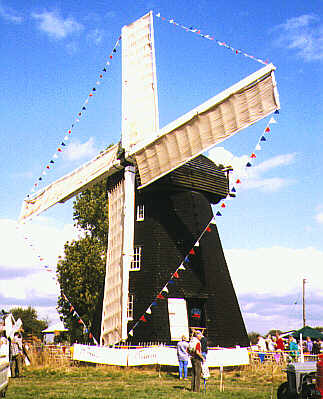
182, 357
204, 348
279, 343
15, 355
194, 350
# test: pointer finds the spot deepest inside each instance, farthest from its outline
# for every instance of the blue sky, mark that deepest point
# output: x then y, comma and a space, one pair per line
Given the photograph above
52, 56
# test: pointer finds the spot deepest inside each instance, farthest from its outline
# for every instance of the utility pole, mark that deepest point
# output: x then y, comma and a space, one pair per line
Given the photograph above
304, 317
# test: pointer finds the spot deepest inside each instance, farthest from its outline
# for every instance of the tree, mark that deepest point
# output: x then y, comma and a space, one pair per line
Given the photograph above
253, 337
31, 325
81, 272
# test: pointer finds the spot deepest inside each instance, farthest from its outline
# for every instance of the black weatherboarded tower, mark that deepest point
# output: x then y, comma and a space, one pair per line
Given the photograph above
170, 216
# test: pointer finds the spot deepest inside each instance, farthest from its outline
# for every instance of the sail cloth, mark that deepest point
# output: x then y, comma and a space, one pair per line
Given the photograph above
139, 83
71, 184
111, 324
222, 116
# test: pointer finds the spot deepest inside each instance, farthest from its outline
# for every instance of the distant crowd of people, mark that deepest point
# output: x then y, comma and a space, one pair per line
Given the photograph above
289, 343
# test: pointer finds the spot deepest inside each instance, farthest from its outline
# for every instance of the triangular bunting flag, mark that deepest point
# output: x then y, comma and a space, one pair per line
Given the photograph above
253, 155
181, 267
213, 221
142, 318
276, 112
233, 190
165, 289
272, 120
148, 311
159, 296
258, 147
176, 275
267, 129
223, 205
238, 181
187, 259
154, 303
208, 229
131, 333
263, 138
218, 213
248, 165
90, 335
197, 244
80, 321
192, 252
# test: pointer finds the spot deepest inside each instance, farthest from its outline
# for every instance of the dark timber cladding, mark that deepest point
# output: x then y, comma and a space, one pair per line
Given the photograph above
177, 209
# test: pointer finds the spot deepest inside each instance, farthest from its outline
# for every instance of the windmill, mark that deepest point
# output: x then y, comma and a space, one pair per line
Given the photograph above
160, 191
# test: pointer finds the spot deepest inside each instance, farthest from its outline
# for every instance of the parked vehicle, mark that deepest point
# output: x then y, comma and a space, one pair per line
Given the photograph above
301, 382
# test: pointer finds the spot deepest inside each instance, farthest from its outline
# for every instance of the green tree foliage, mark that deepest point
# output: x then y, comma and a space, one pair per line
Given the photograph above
253, 337
31, 325
81, 272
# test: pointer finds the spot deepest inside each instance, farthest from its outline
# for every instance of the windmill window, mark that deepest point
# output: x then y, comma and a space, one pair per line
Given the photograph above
140, 212
130, 307
136, 261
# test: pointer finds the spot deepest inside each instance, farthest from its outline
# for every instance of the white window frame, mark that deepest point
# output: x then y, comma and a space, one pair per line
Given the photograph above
140, 212
136, 260
130, 307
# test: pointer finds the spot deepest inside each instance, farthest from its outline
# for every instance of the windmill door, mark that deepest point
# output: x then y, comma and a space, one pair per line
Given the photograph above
196, 312
178, 322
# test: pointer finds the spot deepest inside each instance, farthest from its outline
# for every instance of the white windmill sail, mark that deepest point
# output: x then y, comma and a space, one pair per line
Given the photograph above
236, 108
71, 184
139, 122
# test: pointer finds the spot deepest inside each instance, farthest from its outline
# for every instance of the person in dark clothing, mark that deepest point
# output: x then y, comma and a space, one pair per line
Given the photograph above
204, 348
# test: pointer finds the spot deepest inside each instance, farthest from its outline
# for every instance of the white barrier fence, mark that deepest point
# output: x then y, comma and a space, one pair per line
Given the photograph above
161, 355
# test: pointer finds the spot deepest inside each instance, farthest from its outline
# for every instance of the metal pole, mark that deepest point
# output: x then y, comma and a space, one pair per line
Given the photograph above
304, 316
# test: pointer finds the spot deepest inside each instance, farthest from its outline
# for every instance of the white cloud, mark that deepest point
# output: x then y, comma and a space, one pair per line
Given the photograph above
319, 217
268, 283
275, 270
304, 34
24, 279
253, 177
76, 150
95, 36
10, 15
52, 23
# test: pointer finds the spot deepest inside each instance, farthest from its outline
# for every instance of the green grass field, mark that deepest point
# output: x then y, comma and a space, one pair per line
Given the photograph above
109, 382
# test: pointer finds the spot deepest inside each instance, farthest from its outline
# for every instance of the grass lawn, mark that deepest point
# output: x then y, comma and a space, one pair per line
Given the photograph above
110, 382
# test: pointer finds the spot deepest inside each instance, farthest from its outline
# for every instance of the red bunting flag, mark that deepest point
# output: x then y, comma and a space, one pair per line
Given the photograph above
192, 252
80, 321
223, 205
208, 229
59, 149
267, 129
176, 275
90, 336
238, 181
142, 318
253, 155
71, 309
159, 296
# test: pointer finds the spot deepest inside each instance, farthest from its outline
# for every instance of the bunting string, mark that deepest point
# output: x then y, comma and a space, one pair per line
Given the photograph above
52, 271
144, 318
220, 43
64, 142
